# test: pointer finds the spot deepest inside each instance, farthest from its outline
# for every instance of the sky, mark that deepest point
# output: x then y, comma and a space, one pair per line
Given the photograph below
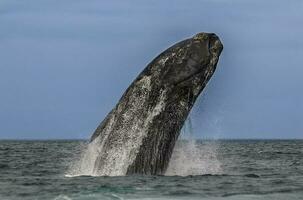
64, 64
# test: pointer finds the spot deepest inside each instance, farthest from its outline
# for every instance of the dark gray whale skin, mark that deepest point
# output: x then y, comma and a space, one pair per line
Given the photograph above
147, 120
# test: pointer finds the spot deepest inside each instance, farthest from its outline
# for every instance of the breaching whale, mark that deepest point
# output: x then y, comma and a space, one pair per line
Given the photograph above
139, 133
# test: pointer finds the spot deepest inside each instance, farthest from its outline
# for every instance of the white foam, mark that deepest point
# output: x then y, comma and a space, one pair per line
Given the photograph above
62, 197
191, 157
84, 166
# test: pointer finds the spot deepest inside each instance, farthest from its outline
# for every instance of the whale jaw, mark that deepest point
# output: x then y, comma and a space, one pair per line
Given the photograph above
139, 134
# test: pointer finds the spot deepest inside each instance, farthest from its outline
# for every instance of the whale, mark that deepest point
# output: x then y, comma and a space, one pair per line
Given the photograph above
139, 134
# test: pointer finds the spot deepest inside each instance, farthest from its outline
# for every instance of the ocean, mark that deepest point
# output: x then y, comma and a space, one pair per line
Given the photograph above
199, 169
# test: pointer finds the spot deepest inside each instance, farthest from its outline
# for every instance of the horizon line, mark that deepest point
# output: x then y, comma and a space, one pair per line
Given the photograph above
87, 139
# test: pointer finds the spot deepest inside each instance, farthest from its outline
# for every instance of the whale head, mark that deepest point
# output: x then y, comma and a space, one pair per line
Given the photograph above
185, 68
192, 58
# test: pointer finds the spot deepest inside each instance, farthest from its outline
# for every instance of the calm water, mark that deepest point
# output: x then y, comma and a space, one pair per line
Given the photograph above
251, 169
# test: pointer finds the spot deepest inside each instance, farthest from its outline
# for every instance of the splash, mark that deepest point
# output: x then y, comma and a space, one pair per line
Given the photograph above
190, 157
194, 157
62, 197
84, 166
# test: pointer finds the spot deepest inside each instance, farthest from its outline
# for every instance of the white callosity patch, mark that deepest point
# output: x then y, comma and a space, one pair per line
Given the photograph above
145, 83
163, 60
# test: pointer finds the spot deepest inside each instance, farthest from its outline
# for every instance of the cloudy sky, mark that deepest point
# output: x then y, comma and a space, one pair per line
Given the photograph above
65, 63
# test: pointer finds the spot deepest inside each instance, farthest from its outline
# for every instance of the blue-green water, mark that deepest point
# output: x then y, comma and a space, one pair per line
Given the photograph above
239, 169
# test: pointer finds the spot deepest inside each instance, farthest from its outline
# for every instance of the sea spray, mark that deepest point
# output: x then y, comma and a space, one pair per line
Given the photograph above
194, 157
190, 156
83, 165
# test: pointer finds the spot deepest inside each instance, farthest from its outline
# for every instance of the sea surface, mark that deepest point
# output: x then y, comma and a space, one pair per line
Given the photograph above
220, 169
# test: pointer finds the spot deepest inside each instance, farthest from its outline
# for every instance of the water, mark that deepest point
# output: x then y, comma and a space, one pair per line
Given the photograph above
229, 169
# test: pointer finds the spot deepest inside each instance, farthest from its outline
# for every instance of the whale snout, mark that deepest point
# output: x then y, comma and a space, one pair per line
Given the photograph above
208, 45
203, 50
215, 44
210, 37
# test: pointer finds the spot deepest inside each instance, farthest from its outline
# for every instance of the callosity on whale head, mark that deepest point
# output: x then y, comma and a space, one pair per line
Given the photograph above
193, 58
139, 134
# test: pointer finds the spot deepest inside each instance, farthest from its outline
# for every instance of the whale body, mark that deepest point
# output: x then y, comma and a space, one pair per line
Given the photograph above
139, 133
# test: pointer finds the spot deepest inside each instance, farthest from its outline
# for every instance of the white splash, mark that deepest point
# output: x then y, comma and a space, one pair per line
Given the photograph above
84, 166
62, 197
192, 157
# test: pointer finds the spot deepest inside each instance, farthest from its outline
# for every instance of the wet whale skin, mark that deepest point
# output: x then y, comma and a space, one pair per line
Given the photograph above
139, 134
